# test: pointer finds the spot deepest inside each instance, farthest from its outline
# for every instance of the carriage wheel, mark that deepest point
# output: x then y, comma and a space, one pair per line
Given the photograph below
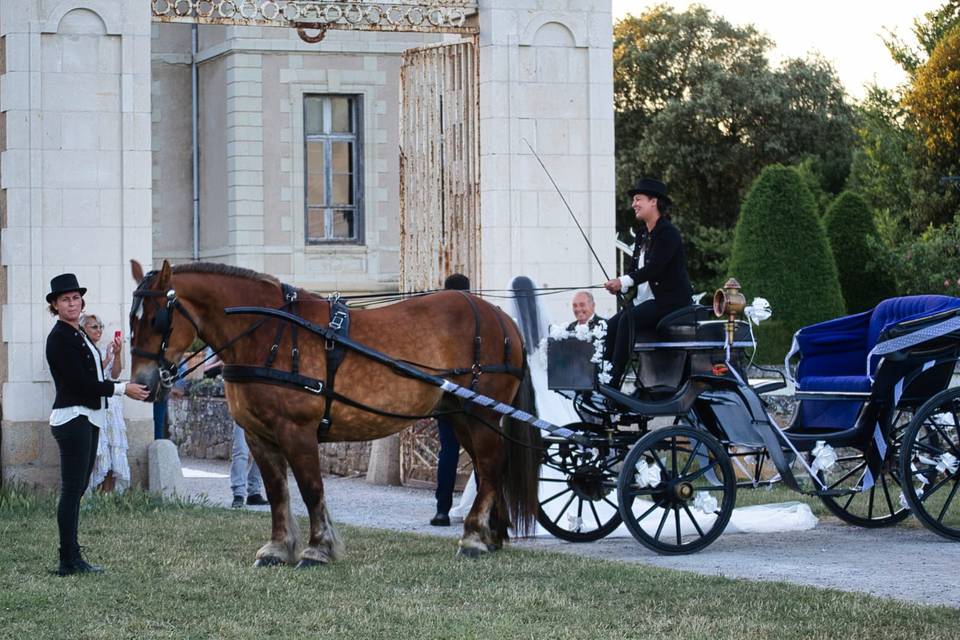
677, 490
577, 490
930, 464
879, 506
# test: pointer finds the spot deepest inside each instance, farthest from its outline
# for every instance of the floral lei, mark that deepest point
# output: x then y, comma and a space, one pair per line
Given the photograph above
597, 336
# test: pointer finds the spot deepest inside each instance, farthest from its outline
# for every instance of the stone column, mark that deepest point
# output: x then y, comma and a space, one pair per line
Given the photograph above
546, 76
75, 193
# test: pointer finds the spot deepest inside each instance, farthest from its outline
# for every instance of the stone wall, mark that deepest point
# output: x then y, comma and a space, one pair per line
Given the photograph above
201, 427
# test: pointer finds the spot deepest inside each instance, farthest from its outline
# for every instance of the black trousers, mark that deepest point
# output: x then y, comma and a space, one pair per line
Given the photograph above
446, 466
622, 329
77, 441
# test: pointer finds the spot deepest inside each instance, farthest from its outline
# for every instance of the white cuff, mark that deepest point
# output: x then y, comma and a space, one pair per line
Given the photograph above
119, 387
625, 282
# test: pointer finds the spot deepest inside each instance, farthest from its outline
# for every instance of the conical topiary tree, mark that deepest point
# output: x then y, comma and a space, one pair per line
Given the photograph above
849, 222
780, 252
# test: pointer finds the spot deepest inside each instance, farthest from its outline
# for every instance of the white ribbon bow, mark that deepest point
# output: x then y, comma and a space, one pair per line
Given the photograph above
824, 457
705, 503
647, 476
758, 311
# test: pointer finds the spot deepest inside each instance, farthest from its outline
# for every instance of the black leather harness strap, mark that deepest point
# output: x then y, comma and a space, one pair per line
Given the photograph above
290, 298
478, 369
335, 353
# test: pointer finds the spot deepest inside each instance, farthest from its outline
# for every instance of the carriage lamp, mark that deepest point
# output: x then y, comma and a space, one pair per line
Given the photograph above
729, 302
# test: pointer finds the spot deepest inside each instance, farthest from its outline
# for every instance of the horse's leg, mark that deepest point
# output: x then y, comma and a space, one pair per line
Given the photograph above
282, 547
485, 527
299, 444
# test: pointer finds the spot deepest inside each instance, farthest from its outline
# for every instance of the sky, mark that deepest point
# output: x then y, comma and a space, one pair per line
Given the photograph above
845, 32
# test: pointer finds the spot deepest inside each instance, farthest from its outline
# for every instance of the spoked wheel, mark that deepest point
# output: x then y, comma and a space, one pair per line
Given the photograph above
878, 506
930, 464
577, 490
677, 490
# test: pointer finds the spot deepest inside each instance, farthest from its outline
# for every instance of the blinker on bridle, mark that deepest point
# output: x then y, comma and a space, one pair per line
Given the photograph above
162, 323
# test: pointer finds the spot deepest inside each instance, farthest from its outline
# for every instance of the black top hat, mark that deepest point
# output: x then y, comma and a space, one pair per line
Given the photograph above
64, 283
650, 187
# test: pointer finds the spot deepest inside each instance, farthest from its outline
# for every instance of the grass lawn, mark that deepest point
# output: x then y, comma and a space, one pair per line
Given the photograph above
184, 571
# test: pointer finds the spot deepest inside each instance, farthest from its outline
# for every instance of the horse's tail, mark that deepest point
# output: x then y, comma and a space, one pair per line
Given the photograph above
523, 457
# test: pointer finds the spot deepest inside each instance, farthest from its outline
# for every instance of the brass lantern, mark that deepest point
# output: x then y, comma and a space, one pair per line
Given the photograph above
729, 302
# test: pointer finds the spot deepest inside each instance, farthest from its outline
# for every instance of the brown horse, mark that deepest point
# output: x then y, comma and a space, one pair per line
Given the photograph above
174, 305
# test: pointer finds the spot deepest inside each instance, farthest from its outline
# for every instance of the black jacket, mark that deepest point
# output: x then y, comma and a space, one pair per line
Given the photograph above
74, 369
664, 265
591, 323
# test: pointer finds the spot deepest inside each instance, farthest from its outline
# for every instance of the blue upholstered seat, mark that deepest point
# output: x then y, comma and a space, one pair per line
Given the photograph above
833, 355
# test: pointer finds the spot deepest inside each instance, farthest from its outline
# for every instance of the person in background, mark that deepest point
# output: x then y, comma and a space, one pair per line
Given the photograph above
79, 411
449, 454
584, 311
245, 481
111, 470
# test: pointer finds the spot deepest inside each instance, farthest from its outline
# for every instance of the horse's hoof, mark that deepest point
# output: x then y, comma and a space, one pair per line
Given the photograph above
268, 561
469, 552
308, 563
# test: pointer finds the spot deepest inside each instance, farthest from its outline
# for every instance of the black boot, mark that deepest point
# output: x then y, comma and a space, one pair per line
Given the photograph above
82, 566
66, 562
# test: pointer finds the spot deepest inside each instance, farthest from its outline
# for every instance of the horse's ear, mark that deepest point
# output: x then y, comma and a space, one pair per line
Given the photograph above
165, 274
136, 271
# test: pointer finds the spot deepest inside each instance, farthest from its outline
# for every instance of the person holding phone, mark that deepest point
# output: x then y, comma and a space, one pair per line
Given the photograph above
111, 471
79, 411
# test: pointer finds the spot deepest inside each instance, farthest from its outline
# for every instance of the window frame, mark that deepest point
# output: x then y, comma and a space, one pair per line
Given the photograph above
356, 138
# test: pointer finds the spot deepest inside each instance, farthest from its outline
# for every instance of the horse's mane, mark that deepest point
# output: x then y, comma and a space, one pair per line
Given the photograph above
224, 270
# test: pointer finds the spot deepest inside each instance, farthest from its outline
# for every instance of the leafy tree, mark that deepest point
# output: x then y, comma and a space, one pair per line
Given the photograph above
698, 105
883, 168
928, 31
934, 103
849, 224
780, 252
929, 263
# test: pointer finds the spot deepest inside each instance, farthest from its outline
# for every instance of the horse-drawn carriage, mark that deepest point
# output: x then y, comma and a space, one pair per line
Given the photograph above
874, 435
876, 432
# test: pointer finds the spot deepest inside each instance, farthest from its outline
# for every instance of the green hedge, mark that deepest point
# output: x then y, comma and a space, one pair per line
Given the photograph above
849, 223
780, 252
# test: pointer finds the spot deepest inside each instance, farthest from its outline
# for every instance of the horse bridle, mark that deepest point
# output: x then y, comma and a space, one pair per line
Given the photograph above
162, 323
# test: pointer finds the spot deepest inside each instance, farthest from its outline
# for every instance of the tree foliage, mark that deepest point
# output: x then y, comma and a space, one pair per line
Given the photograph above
781, 253
934, 104
698, 105
850, 228
882, 171
928, 263
928, 31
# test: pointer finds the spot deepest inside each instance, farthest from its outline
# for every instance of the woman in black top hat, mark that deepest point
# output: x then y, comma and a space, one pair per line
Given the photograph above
79, 410
658, 270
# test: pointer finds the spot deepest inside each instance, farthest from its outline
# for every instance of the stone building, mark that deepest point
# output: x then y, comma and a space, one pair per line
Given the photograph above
392, 151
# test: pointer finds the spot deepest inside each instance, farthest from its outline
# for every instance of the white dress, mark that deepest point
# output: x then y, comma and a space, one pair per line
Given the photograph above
112, 444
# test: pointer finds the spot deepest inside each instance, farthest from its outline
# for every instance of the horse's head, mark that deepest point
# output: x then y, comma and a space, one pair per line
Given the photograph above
161, 330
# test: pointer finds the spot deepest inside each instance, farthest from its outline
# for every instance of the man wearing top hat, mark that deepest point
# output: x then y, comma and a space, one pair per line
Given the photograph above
658, 271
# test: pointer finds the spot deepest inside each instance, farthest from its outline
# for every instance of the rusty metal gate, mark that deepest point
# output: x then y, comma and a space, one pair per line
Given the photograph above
439, 166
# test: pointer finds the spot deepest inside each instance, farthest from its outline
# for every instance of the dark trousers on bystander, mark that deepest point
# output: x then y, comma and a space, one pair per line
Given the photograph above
446, 466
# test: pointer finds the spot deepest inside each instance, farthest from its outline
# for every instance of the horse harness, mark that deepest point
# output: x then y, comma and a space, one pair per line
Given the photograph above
339, 325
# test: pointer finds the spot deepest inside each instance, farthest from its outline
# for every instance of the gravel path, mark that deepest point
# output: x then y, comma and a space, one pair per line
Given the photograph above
905, 562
